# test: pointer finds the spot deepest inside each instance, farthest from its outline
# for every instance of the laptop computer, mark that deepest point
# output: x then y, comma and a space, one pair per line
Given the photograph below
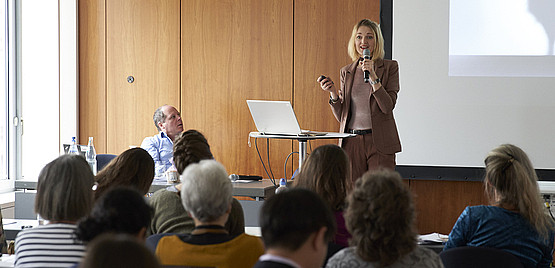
277, 118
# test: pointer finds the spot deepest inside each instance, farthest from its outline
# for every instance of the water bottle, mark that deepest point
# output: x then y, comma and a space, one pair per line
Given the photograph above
73, 147
90, 156
282, 186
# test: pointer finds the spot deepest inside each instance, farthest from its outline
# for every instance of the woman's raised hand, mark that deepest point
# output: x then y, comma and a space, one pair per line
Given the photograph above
327, 85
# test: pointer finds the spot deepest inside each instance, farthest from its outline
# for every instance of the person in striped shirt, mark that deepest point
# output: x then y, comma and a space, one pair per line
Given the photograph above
64, 195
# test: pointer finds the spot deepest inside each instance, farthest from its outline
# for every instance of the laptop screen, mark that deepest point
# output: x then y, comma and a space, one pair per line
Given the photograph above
274, 117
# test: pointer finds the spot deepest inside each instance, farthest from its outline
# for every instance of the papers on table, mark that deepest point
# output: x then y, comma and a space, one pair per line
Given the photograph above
432, 238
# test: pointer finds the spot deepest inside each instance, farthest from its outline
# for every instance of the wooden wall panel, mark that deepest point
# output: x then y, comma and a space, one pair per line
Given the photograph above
233, 51
143, 41
439, 203
92, 73
322, 32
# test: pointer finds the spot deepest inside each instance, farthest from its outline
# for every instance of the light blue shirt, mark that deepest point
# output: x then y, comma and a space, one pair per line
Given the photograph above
160, 147
495, 227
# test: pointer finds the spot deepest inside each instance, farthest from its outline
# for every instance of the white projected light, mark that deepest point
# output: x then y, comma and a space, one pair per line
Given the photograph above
515, 40
446, 120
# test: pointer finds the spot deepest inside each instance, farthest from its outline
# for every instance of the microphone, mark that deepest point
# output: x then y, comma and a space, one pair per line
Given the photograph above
367, 56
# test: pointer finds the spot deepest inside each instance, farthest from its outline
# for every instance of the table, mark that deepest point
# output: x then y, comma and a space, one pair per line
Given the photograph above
13, 226
257, 190
302, 140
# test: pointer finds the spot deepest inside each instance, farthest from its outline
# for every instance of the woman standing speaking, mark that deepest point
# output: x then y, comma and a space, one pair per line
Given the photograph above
365, 100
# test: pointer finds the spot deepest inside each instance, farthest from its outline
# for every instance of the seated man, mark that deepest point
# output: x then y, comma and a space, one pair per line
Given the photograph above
168, 122
206, 195
296, 228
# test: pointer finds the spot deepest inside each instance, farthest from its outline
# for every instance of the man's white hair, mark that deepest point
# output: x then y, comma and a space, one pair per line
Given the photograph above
206, 190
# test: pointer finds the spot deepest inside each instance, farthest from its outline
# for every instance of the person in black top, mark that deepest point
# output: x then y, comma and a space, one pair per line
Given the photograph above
296, 227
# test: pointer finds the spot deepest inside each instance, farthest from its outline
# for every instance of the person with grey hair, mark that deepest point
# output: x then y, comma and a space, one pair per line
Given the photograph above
206, 195
64, 195
160, 146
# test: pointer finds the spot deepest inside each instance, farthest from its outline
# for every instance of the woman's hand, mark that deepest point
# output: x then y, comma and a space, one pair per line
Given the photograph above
368, 65
327, 85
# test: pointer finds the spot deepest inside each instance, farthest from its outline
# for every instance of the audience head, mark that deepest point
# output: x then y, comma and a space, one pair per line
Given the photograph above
288, 221
511, 182
380, 216
134, 168
188, 148
327, 172
119, 210
206, 190
168, 119
118, 250
64, 189
378, 51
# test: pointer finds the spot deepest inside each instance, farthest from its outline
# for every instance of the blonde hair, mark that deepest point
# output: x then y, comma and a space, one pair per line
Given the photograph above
511, 180
378, 52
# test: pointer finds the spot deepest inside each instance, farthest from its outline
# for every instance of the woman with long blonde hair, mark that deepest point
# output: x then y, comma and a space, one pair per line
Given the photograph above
516, 219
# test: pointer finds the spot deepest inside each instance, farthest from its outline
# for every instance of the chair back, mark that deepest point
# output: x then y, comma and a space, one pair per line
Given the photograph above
479, 257
102, 160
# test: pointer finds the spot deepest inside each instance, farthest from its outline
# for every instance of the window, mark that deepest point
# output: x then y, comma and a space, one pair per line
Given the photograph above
39, 85
4, 95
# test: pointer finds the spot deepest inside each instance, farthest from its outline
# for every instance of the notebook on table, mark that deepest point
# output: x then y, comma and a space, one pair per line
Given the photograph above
277, 118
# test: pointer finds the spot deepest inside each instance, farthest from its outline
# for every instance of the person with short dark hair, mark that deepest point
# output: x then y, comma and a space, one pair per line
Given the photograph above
380, 217
206, 196
296, 227
169, 214
516, 219
169, 124
119, 210
133, 168
118, 250
64, 195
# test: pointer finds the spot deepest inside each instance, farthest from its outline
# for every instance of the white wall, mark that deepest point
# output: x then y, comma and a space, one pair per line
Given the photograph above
455, 121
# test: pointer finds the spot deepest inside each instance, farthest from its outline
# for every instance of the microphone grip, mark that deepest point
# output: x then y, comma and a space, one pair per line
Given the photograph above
367, 73
366, 76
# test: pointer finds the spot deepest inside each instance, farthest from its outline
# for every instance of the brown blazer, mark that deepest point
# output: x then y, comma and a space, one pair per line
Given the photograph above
382, 103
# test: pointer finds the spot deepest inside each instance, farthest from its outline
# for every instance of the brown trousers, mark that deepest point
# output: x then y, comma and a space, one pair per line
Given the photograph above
364, 156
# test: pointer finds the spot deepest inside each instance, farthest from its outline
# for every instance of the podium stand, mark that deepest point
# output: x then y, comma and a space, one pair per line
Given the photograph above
302, 140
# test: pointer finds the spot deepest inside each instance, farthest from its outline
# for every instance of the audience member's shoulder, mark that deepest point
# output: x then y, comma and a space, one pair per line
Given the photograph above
250, 238
162, 195
481, 210
152, 241
422, 257
149, 141
251, 241
344, 258
55, 228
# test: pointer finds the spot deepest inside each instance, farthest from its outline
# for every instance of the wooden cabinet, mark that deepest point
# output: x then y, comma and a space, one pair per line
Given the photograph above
233, 51
92, 73
139, 40
143, 45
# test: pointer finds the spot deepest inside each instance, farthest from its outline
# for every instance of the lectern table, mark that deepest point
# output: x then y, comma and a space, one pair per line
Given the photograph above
302, 140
